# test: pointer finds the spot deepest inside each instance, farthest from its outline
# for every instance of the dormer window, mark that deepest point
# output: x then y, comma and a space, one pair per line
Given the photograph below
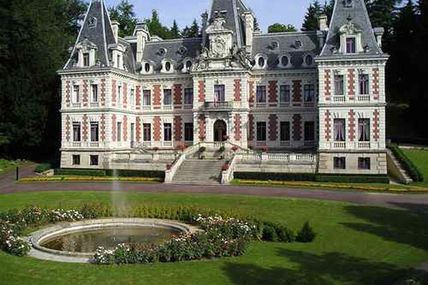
309, 60
351, 46
284, 61
147, 67
168, 66
188, 65
86, 59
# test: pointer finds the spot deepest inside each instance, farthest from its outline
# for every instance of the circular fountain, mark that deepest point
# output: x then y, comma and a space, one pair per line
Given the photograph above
77, 242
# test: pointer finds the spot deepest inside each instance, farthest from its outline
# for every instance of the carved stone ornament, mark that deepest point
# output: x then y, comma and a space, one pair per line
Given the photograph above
218, 47
349, 29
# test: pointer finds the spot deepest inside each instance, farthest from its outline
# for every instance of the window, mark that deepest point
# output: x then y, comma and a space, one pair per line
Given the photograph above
339, 163
350, 45
86, 59
94, 132
167, 97
119, 131
167, 132
285, 131
364, 163
119, 93
309, 92
284, 93
219, 93
188, 96
188, 132
309, 131
364, 84
339, 130
339, 85
188, 64
147, 132
132, 97
261, 62
94, 160
118, 60
261, 131
168, 66
261, 94
147, 98
309, 60
76, 159
147, 67
284, 60
76, 95
364, 130
76, 132
94, 92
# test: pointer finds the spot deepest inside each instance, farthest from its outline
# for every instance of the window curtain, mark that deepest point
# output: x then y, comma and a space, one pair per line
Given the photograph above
364, 130
339, 130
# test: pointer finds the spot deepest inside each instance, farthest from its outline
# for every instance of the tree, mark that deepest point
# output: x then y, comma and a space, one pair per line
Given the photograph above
280, 28
125, 15
310, 22
35, 38
156, 28
192, 31
175, 30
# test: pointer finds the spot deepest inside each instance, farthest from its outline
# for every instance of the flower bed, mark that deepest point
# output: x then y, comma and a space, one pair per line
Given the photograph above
220, 236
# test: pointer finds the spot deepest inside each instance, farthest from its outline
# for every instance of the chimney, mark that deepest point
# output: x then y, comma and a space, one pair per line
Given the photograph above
322, 22
379, 34
143, 36
115, 27
249, 30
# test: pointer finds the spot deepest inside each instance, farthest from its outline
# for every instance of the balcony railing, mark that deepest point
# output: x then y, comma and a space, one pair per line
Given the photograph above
218, 106
363, 98
340, 98
363, 145
339, 145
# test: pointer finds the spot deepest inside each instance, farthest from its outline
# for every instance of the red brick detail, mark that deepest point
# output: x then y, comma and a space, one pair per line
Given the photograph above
273, 93
202, 127
113, 128
138, 97
327, 124
252, 93
273, 127
376, 125
237, 89
376, 90
297, 127
327, 84
85, 93
125, 95
201, 91
238, 127
67, 93
103, 128
85, 131
113, 92
67, 128
157, 132
250, 127
138, 129
351, 125
351, 84
178, 96
297, 92
157, 101
125, 128
178, 128
103, 92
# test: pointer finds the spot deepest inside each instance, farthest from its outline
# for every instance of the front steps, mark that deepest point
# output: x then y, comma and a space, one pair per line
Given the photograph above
396, 170
199, 172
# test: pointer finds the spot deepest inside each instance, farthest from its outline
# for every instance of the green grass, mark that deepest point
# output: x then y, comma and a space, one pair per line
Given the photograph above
420, 159
355, 245
6, 165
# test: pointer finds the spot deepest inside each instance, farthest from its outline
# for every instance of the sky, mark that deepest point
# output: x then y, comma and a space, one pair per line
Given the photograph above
185, 11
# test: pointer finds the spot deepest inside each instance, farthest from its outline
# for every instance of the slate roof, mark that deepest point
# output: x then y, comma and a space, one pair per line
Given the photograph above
100, 34
278, 44
358, 15
232, 11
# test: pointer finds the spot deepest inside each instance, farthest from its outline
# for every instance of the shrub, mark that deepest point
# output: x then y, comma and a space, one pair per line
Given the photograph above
269, 233
274, 176
408, 165
222, 149
306, 234
43, 167
136, 173
80, 172
202, 149
285, 234
383, 179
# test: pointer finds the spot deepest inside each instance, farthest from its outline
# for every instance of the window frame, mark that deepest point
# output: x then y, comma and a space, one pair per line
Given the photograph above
364, 84
189, 132
95, 126
119, 132
147, 132
284, 91
364, 130
261, 93
94, 93
364, 163
341, 83
261, 131
167, 132
309, 92
75, 159
337, 135
307, 133
351, 49
147, 93
94, 160
285, 135
219, 93
188, 96
339, 163
79, 125
167, 93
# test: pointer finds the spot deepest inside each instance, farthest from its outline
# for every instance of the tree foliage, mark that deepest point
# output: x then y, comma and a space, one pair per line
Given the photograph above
192, 31
310, 22
125, 15
281, 28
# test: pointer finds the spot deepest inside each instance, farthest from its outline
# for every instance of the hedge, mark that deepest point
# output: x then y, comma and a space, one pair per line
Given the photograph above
110, 173
43, 167
311, 177
408, 165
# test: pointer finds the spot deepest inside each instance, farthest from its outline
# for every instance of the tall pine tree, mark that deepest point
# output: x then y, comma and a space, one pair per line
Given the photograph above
175, 30
125, 15
310, 22
193, 31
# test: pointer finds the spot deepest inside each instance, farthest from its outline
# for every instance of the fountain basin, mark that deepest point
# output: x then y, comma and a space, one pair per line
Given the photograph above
77, 242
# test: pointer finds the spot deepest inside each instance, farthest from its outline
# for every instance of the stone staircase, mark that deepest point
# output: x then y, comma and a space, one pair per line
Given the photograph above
396, 170
199, 172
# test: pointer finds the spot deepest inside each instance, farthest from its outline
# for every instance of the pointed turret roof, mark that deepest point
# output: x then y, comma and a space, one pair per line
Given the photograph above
232, 11
96, 29
351, 12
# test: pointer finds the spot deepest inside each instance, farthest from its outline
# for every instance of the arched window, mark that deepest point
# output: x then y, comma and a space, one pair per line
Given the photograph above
309, 60
284, 60
147, 67
167, 66
261, 61
188, 64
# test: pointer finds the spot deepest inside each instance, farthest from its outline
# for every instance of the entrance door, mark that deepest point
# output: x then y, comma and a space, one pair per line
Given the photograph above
220, 131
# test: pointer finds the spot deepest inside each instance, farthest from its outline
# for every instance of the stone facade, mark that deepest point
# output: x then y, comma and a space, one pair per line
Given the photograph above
275, 91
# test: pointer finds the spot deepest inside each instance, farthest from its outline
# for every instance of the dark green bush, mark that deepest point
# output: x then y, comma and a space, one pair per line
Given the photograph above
80, 172
408, 165
352, 178
43, 167
285, 234
136, 173
274, 176
269, 233
306, 234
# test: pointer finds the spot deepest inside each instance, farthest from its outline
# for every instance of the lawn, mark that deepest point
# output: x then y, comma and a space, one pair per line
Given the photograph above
6, 165
355, 245
420, 159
